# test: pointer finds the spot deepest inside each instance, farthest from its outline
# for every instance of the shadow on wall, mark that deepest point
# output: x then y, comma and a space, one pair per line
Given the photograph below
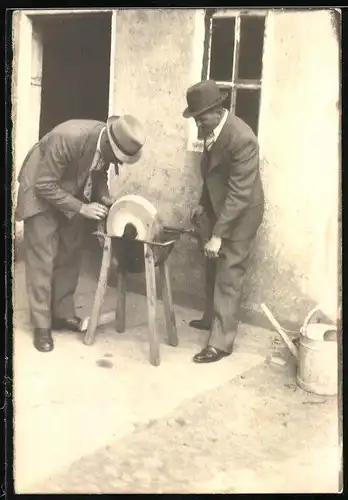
18, 250
272, 282
336, 23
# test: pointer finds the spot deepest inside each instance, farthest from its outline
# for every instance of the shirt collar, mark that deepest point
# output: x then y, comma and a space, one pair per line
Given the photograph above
99, 139
218, 128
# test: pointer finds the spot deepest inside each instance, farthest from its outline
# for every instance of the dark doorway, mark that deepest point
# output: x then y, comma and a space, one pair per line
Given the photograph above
75, 68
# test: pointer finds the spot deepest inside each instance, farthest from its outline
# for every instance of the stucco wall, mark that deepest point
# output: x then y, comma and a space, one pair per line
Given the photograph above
300, 145
154, 54
157, 56
299, 133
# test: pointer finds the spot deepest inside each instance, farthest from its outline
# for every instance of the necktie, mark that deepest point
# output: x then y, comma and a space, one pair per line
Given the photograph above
209, 141
97, 165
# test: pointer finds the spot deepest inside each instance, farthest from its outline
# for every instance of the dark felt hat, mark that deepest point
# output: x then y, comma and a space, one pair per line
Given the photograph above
201, 97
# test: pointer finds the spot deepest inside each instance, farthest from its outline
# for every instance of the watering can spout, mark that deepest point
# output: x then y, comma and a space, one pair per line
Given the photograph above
289, 343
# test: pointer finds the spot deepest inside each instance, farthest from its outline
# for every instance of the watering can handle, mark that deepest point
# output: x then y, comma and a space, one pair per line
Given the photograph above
307, 319
290, 345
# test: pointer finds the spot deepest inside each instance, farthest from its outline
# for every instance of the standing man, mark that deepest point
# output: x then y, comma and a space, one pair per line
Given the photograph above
232, 204
63, 180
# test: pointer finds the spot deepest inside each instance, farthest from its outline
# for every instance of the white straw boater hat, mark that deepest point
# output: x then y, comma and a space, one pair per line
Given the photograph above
126, 136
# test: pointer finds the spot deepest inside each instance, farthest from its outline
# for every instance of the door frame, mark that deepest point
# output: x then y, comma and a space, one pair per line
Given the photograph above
24, 62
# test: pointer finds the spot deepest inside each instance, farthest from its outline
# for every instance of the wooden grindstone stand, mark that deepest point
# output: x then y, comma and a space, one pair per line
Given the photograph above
134, 214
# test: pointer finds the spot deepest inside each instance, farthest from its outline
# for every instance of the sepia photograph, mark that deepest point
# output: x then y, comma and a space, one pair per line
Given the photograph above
176, 250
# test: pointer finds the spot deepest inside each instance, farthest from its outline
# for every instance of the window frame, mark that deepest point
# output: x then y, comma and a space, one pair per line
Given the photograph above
194, 144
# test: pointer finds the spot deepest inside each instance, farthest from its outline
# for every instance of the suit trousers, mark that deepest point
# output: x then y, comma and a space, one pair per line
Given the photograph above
52, 244
224, 284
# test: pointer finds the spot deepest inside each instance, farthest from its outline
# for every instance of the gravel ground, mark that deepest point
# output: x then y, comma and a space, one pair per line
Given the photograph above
258, 433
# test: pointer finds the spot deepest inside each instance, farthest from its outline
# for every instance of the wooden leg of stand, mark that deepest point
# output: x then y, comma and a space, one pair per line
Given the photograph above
168, 305
121, 300
150, 273
100, 293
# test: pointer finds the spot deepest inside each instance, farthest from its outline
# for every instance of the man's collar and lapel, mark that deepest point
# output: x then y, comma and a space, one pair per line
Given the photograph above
213, 157
219, 127
99, 139
98, 161
98, 156
90, 154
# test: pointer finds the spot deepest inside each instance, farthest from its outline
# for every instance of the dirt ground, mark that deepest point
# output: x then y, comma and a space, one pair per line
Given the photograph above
192, 429
258, 433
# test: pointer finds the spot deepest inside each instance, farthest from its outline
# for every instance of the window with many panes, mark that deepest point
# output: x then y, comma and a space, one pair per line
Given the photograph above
233, 50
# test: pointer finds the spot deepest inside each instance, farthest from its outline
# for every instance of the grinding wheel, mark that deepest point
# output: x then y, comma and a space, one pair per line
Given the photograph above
135, 211
132, 219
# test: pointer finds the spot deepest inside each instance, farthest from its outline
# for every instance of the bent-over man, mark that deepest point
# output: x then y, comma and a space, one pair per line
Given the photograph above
63, 180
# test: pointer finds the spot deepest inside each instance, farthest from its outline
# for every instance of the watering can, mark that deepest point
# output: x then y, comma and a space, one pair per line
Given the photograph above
316, 354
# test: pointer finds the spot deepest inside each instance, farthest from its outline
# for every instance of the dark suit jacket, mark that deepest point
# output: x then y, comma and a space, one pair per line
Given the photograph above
232, 190
56, 168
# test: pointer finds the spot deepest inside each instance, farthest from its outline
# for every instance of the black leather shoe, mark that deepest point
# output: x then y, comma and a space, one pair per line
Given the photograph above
73, 324
200, 324
209, 355
43, 340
